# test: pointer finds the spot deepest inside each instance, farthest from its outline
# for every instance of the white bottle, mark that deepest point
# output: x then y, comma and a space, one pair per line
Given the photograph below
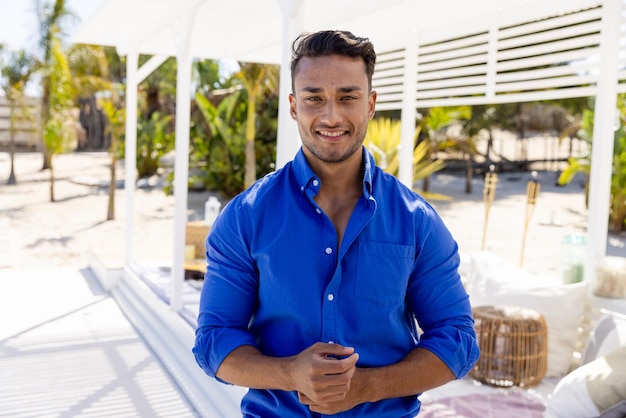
211, 210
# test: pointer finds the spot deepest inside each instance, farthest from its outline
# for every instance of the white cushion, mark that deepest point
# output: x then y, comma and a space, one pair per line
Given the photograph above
494, 281
608, 335
595, 389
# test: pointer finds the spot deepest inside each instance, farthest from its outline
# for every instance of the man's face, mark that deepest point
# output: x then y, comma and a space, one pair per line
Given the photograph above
332, 104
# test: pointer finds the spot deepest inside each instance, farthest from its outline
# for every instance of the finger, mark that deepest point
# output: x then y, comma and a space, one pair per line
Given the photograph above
323, 398
334, 365
333, 350
329, 386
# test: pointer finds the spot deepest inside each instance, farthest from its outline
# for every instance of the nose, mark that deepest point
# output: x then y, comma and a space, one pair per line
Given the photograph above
331, 114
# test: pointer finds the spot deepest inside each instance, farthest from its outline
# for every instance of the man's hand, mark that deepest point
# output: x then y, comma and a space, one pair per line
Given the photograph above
328, 408
322, 373
357, 394
326, 378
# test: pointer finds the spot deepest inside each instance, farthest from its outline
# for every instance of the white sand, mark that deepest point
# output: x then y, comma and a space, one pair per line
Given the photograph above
35, 232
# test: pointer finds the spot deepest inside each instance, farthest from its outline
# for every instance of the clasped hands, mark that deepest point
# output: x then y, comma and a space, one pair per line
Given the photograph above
323, 376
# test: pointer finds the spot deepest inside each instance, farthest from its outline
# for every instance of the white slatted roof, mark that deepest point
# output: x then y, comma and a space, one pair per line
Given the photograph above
251, 30
554, 57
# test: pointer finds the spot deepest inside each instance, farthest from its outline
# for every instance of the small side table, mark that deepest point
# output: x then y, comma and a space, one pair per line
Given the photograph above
195, 234
513, 345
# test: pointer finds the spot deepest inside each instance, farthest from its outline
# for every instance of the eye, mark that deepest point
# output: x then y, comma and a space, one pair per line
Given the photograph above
345, 98
313, 99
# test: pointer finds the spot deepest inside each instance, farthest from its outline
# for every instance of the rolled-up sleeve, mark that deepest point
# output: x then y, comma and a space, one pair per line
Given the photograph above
229, 294
439, 300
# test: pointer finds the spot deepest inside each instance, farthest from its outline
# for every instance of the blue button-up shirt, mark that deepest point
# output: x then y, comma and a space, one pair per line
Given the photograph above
277, 280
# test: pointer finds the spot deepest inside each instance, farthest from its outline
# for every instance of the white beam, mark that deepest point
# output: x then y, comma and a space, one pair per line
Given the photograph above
288, 138
603, 136
149, 66
182, 35
409, 111
130, 152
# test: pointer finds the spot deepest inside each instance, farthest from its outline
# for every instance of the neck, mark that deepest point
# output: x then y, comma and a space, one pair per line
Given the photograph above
342, 187
345, 178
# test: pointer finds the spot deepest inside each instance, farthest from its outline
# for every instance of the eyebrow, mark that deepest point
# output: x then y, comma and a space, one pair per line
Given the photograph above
346, 89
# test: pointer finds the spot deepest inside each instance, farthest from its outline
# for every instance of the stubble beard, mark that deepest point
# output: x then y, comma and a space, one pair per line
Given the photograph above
332, 156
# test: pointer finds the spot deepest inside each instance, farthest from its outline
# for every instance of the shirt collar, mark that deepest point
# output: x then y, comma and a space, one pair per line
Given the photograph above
305, 175
302, 171
368, 172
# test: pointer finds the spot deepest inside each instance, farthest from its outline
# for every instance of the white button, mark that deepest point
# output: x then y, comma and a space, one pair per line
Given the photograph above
316, 183
319, 212
329, 250
302, 188
331, 342
331, 297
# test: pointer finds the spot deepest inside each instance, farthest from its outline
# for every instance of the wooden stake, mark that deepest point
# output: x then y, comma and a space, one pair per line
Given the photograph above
532, 192
489, 192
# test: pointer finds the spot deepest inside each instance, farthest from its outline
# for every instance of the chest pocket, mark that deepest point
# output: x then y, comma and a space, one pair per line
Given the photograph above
383, 272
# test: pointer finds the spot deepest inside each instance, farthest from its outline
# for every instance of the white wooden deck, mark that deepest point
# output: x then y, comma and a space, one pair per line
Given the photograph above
67, 350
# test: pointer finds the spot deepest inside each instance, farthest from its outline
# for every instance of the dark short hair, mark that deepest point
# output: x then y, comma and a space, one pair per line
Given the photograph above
331, 42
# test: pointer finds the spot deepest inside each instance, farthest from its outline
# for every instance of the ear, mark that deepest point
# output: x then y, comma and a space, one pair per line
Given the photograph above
371, 104
292, 106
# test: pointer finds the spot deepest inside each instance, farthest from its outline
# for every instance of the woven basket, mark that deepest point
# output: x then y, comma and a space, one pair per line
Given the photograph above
513, 345
195, 234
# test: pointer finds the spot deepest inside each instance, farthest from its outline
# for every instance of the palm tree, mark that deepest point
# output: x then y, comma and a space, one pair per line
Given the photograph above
116, 117
257, 79
58, 128
89, 65
50, 18
90, 75
16, 74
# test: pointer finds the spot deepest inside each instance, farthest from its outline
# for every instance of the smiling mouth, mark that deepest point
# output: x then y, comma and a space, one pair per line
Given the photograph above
331, 134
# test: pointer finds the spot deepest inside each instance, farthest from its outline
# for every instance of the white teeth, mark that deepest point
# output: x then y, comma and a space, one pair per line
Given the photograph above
333, 134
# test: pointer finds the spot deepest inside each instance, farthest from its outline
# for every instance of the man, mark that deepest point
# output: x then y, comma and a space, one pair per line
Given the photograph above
318, 273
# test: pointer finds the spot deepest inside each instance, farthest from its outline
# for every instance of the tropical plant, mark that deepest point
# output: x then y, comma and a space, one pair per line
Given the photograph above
433, 129
256, 80
154, 140
158, 90
90, 76
465, 146
156, 108
383, 141
16, 75
59, 129
209, 76
90, 69
618, 185
50, 17
582, 164
116, 117
220, 149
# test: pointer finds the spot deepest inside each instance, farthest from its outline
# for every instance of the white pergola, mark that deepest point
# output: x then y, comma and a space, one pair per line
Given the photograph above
430, 53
